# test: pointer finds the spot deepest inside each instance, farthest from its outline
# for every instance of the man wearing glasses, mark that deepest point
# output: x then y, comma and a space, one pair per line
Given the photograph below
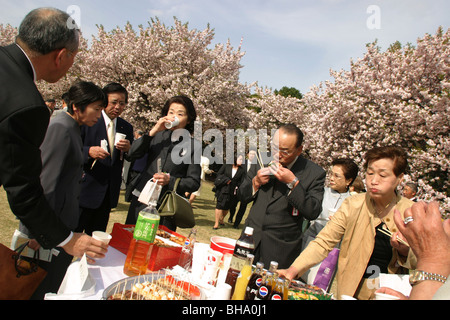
285, 193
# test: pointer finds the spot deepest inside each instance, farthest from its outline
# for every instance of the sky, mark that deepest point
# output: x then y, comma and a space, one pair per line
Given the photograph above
291, 43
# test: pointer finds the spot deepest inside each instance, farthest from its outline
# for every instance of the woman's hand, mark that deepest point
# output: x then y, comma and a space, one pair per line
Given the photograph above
162, 178
289, 274
401, 248
161, 125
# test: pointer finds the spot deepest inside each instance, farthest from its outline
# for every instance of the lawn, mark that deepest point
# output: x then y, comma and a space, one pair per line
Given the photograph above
203, 209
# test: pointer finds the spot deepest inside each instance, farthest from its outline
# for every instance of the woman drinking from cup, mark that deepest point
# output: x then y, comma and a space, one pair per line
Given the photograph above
172, 153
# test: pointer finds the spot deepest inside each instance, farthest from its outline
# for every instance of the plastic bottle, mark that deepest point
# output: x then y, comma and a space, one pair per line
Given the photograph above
141, 245
244, 246
242, 281
185, 260
255, 282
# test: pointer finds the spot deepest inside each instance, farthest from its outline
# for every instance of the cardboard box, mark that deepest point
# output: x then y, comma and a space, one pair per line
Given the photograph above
161, 257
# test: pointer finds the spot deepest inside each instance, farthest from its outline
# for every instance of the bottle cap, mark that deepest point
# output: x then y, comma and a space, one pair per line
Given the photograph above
248, 230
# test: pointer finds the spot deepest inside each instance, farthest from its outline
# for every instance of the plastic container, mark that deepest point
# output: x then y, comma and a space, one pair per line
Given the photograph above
223, 244
141, 245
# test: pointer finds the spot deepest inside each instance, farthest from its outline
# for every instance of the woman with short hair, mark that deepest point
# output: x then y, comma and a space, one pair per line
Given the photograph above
365, 251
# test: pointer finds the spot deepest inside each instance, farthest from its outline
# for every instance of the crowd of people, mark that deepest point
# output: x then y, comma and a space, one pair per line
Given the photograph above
62, 172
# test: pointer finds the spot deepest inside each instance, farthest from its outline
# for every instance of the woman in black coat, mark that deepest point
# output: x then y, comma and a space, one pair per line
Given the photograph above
227, 182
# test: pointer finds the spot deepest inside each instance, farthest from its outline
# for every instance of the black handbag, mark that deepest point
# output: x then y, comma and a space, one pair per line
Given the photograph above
19, 276
177, 206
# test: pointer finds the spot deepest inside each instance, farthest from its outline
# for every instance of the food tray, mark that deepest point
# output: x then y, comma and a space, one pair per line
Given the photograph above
127, 284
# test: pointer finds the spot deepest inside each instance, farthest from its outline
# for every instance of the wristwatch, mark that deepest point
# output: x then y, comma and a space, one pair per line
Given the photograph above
291, 185
416, 276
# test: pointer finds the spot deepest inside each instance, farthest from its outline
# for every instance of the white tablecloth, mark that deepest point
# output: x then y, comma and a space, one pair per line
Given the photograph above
106, 271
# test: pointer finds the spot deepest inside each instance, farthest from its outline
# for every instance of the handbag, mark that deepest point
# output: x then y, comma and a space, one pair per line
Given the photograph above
19, 276
177, 206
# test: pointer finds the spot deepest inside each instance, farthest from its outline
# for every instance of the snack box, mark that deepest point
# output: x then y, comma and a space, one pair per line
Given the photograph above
166, 251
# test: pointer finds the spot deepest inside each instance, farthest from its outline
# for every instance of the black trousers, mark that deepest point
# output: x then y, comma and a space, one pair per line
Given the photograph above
95, 219
240, 213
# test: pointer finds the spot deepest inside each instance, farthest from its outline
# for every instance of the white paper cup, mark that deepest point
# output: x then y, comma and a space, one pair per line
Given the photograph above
221, 292
174, 123
346, 297
119, 136
384, 296
211, 269
199, 259
101, 236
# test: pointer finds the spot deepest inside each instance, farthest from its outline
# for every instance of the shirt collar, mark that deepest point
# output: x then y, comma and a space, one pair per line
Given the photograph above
32, 67
107, 119
289, 166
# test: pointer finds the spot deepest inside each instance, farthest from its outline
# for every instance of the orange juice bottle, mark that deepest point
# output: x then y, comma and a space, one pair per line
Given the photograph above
242, 281
141, 245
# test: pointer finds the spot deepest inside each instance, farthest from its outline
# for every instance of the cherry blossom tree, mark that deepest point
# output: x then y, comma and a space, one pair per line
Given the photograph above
400, 96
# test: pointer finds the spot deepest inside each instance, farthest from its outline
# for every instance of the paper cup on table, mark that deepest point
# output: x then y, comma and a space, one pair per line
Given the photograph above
101, 236
346, 297
221, 292
384, 296
119, 136
211, 268
199, 259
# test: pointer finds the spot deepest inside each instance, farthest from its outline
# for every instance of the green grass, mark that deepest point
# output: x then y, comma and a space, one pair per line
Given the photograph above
204, 207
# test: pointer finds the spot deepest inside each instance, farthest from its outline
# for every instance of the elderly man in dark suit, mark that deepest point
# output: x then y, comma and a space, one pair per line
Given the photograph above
284, 194
102, 180
44, 50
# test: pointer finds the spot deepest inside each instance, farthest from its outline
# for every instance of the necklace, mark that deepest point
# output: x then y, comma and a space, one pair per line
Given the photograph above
378, 213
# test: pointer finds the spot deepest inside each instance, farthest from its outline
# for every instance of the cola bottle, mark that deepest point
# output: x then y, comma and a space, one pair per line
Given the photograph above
255, 282
266, 287
244, 245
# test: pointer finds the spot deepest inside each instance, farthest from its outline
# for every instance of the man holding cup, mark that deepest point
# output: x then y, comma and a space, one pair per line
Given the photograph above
103, 177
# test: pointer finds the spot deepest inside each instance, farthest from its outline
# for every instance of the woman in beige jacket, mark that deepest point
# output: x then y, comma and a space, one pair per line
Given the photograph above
365, 252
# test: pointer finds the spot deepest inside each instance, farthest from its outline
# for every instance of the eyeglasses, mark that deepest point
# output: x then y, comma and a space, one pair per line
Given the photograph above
286, 153
335, 175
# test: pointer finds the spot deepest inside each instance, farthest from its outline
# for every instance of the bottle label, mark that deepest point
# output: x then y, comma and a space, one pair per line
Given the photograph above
146, 227
276, 296
263, 292
237, 262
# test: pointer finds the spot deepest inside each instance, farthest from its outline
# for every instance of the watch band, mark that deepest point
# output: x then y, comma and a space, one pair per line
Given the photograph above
419, 276
292, 184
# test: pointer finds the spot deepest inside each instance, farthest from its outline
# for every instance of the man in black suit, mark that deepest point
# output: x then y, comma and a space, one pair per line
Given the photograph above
45, 49
101, 182
284, 194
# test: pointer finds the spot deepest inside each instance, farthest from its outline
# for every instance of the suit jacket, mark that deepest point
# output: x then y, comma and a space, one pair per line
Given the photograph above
231, 189
105, 175
24, 118
161, 147
277, 213
62, 168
